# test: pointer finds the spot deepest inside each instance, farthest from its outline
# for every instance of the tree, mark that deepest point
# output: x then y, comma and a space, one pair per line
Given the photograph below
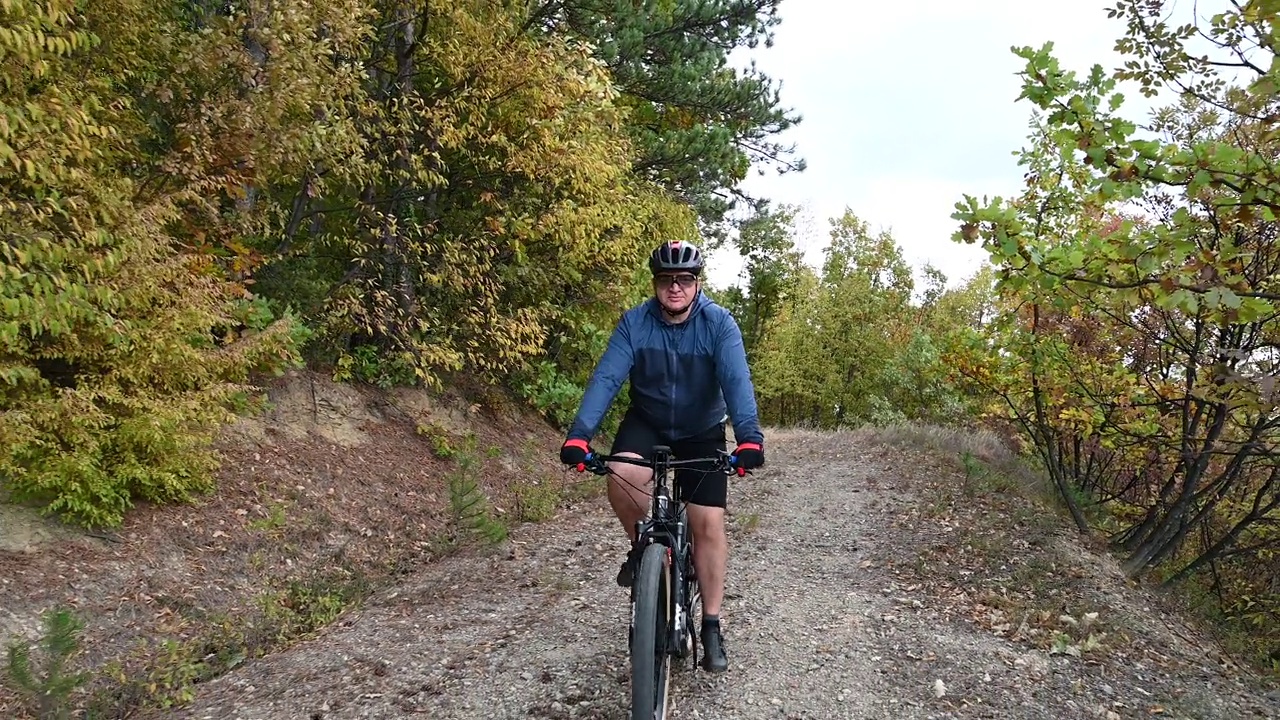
773, 268
436, 188
493, 196
844, 346
122, 347
1145, 268
699, 124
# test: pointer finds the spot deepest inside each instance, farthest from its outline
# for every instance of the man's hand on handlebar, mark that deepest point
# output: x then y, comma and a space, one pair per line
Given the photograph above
575, 452
747, 456
578, 454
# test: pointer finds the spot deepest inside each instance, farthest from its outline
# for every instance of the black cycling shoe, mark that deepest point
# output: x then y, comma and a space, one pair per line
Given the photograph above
627, 574
713, 657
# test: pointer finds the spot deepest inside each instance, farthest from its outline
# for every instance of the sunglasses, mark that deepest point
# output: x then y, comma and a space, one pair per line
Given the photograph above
684, 281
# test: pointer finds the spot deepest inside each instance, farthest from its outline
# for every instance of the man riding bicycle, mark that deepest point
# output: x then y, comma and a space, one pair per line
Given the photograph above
684, 356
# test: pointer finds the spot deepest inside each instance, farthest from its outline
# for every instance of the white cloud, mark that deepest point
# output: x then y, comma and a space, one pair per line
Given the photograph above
899, 204
909, 106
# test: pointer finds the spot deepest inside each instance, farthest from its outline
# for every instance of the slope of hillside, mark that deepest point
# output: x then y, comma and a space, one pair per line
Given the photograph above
334, 492
895, 574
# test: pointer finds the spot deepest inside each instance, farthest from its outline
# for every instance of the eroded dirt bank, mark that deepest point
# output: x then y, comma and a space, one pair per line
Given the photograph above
335, 491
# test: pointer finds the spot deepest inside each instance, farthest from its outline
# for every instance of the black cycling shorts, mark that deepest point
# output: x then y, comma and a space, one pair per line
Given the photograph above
698, 486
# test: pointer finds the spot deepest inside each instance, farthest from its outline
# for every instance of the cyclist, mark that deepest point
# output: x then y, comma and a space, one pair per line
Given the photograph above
688, 369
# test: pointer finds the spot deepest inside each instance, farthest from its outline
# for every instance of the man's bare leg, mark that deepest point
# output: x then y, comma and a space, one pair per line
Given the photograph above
710, 554
710, 559
629, 493
630, 496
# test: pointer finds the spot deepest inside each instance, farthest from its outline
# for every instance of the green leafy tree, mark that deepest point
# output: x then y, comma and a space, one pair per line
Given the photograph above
493, 199
1194, 276
773, 267
877, 259
121, 347
846, 345
789, 359
867, 287
1140, 302
699, 124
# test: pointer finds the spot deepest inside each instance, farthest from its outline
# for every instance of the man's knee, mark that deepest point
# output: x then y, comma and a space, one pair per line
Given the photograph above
706, 521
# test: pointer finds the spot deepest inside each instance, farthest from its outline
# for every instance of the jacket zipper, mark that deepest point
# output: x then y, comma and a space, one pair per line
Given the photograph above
680, 331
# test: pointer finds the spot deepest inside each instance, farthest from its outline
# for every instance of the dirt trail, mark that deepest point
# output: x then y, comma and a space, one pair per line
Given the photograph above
819, 624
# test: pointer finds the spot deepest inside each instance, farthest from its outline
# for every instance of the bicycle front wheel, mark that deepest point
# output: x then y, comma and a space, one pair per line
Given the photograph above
650, 661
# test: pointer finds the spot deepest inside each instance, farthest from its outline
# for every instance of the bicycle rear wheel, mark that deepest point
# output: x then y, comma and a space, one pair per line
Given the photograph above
650, 661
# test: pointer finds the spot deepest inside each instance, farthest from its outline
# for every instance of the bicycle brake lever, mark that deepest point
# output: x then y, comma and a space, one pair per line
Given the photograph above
736, 470
596, 467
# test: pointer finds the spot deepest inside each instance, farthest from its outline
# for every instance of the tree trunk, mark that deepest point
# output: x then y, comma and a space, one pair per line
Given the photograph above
1173, 527
1256, 513
397, 269
1048, 437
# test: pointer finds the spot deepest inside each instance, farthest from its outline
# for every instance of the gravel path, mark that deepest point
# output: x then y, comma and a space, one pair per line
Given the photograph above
816, 625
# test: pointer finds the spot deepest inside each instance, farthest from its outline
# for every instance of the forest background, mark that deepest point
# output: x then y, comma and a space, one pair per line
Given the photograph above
197, 195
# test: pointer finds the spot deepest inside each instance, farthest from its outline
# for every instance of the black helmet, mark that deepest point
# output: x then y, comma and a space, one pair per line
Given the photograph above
676, 255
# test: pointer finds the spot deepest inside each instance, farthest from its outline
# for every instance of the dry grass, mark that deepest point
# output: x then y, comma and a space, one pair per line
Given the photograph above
988, 460
981, 442
988, 523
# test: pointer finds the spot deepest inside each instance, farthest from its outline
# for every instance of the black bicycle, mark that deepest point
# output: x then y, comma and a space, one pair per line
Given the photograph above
664, 594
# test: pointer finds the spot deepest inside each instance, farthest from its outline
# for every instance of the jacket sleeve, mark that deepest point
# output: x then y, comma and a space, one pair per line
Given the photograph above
606, 380
735, 382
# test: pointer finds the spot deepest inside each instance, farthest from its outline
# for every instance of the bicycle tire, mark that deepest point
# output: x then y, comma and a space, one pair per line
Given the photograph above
650, 661
693, 599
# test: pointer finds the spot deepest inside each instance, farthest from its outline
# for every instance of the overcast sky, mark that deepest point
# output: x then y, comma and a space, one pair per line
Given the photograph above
909, 105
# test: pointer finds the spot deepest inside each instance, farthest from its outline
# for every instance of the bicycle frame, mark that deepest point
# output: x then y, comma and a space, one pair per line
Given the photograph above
667, 524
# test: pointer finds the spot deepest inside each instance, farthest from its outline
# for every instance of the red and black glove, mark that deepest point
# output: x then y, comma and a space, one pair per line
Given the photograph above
574, 452
748, 456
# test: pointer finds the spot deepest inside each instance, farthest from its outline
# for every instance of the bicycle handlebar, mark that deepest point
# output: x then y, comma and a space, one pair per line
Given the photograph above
723, 462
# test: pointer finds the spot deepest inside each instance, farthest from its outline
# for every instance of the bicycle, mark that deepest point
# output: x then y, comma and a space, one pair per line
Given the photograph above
664, 592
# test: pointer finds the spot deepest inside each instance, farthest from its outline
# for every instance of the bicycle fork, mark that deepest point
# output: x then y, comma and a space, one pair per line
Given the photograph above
684, 598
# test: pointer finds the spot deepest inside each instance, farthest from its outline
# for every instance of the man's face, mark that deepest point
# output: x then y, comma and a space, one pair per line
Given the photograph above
675, 290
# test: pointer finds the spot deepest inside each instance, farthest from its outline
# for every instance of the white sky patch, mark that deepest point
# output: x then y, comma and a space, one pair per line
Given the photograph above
909, 106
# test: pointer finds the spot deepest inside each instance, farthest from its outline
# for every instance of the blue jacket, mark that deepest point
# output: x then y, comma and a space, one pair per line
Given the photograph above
683, 377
